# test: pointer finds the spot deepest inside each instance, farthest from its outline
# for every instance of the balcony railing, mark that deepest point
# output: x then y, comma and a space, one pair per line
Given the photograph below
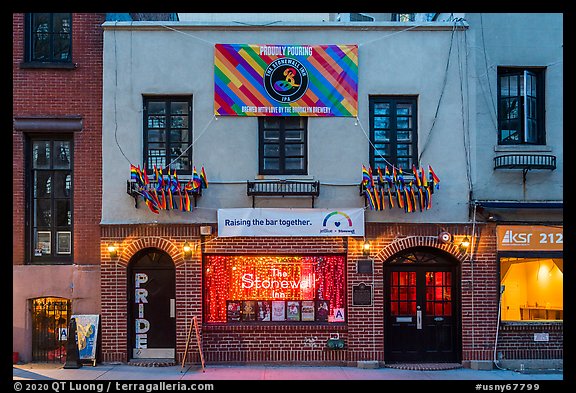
525, 161
272, 188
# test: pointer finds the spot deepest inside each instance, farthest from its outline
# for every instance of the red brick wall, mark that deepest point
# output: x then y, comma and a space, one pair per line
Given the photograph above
63, 92
364, 330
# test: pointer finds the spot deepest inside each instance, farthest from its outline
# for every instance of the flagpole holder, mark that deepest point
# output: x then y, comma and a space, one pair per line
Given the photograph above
132, 190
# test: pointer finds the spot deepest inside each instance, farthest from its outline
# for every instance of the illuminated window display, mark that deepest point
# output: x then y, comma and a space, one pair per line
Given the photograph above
533, 289
274, 288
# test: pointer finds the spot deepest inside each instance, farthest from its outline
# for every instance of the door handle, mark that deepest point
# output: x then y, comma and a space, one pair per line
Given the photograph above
419, 319
172, 308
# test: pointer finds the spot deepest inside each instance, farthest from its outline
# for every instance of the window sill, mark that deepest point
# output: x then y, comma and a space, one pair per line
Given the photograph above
267, 326
284, 177
43, 263
48, 65
528, 325
522, 148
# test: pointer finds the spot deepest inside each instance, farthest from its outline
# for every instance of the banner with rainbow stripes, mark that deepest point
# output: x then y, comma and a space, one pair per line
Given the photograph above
286, 80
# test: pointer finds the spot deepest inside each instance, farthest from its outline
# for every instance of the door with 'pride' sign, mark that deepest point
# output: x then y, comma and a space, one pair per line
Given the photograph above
152, 307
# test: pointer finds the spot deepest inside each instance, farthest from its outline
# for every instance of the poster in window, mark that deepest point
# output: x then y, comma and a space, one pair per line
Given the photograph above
338, 315
278, 310
293, 310
63, 242
43, 244
322, 310
232, 310
307, 310
248, 312
264, 310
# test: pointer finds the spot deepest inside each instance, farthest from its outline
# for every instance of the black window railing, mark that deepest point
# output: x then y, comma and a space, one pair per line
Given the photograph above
283, 188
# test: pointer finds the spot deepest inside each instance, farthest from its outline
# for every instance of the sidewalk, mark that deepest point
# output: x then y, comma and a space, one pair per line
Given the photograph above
120, 372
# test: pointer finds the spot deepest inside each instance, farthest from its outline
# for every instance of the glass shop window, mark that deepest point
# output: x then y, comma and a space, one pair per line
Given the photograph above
272, 289
532, 289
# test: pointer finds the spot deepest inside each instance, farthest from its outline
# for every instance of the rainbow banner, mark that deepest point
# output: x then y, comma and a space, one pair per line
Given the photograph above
286, 80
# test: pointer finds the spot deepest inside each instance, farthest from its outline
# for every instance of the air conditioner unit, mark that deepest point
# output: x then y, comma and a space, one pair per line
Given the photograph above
206, 230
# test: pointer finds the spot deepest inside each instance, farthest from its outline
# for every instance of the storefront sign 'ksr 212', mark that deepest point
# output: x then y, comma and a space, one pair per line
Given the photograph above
286, 80
529, 238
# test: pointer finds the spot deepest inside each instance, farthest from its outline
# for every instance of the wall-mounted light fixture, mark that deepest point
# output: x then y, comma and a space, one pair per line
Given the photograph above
464, 244
112, 251
187, 249
366, 248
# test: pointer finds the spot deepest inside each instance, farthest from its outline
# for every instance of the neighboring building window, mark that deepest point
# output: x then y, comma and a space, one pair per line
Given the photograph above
168, 133
393, 133
274, 288
403, 17
356, 17
48, 37
532, 288
50, 209
521, 106
282, 145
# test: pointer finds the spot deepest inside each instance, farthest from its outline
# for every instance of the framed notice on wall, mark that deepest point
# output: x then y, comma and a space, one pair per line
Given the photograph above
362, 295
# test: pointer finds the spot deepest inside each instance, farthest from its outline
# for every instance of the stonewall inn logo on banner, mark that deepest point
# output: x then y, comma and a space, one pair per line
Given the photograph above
286, 80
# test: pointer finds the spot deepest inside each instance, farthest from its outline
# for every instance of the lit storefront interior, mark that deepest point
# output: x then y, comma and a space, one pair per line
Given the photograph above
533, 289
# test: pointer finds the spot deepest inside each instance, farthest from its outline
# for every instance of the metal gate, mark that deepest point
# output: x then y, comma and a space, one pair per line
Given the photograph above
50, 320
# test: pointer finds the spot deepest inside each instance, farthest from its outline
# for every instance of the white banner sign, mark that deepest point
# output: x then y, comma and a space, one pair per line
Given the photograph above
290, 222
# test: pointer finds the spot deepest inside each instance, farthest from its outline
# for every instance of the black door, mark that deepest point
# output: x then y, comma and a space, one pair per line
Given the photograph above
421, 308
152, 326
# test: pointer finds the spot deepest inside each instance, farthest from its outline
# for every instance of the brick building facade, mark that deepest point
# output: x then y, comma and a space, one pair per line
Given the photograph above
56, 102
424, 298
454, 291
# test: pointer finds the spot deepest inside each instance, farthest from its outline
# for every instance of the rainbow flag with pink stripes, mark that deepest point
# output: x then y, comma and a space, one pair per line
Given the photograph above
286, 80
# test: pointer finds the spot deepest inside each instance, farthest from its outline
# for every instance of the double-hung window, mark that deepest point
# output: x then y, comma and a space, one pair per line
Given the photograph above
282, 145
48, 38
521, 106
168, 133
50, 207
393, 132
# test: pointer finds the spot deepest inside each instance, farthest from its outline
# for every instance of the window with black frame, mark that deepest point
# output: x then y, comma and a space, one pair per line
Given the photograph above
520, 106
50, 210
282, 145
168, 133
393, 132
48, 37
